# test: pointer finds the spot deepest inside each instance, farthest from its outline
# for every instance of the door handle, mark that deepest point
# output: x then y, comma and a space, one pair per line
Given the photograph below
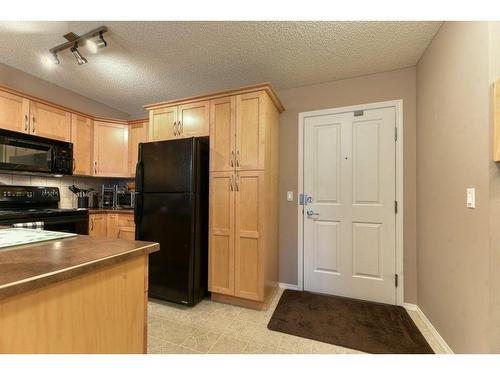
237, 183
74, 164
26, 123
174, 128
180, 127
91, 224
311, 213
231, 159
95, 167
231, 183
34, 122
238, 158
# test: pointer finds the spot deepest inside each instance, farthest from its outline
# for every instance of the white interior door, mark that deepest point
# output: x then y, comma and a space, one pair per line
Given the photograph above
349, 222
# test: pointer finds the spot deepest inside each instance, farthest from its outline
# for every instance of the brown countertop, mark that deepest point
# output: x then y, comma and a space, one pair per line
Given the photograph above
34, 265
110, 210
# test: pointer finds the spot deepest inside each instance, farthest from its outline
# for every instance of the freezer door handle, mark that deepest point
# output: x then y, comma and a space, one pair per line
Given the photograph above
138, 210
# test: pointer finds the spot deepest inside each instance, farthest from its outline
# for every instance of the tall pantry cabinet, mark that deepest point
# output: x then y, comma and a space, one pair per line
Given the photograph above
243, 205
243, 246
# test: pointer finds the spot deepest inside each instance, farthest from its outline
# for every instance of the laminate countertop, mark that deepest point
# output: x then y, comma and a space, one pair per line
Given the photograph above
31, 266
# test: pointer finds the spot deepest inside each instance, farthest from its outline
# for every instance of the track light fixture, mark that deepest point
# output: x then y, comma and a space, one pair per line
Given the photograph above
101, 43
74, 41
78, 56
55, 59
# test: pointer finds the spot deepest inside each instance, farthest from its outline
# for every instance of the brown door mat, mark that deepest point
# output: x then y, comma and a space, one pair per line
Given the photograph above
367, 326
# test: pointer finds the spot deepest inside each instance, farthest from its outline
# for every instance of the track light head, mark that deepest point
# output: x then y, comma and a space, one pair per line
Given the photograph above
78, 56
55, 59
101, 43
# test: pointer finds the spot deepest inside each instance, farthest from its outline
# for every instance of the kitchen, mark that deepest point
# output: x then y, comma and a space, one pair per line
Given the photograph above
270, 188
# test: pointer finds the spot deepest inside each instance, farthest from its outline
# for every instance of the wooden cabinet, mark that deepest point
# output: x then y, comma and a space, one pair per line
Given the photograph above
137, 133
222, 134
97, 225
222, 232
184, 121
193, 120
110, 149
162, 124
50, 122
120, 225
14, 112
82, 138
243, 205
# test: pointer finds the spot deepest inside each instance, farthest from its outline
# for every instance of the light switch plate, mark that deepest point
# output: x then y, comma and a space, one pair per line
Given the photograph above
471, 198
289, 196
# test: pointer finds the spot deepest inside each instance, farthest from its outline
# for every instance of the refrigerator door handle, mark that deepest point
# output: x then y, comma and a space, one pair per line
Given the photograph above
139, 171
138, 209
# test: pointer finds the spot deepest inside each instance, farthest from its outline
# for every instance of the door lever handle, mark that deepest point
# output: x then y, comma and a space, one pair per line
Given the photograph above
311, 213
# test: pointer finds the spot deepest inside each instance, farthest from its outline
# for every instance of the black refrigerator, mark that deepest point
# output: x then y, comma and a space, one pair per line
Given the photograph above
171, 208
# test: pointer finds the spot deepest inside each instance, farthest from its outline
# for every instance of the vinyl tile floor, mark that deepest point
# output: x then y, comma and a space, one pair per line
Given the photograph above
217, 328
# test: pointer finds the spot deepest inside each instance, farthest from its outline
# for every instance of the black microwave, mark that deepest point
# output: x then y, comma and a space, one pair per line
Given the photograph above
26, 153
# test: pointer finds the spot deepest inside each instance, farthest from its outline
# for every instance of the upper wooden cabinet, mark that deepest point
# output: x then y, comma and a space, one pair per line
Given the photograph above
184, 121
222, 134
162, 124
14, 112
193, 120
110, 149
82, 132
50, 122
137, 133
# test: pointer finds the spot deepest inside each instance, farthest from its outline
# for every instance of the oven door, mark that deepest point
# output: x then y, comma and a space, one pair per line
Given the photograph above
19, 152
78, 224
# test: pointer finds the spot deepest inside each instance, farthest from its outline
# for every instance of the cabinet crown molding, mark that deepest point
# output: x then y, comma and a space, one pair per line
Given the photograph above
266, 86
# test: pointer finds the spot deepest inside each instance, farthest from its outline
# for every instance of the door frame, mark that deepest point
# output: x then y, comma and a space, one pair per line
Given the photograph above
398, 105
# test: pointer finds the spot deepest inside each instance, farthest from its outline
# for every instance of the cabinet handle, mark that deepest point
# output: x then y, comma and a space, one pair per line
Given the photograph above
74, 165
91, 224
180, 128
95, 166
34, 122
231, 159
237, 183
238, 158
231, 183
174, 128
26, 123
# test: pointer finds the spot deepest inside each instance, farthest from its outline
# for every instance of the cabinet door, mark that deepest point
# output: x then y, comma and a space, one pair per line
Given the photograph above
126, 233
14, 112
81, 137
50, 122
163, 124
110, 149
222, 134
112, 227
221, 229
249, 277
97, 225
250, 131
137, 133
193, 119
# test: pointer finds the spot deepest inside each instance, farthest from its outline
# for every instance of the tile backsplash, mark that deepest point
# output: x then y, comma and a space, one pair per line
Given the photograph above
68, 199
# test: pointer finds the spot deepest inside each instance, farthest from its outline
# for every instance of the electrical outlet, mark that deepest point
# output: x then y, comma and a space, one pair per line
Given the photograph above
289, 196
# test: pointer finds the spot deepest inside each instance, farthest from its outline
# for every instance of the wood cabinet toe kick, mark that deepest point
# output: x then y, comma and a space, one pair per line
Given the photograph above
76, 295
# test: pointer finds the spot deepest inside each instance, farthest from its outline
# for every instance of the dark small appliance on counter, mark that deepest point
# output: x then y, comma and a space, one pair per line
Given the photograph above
108, 196
124, 198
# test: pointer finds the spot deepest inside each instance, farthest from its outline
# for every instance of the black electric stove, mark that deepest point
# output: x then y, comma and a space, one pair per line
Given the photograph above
24, 204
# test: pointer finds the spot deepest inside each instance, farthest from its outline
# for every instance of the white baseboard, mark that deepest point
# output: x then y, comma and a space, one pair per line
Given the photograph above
427, 322
288, 286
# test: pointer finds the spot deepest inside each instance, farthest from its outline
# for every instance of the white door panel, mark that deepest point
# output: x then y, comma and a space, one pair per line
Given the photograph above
349, 227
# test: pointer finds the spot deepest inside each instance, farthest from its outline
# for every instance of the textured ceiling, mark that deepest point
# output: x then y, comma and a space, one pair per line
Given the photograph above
147, 62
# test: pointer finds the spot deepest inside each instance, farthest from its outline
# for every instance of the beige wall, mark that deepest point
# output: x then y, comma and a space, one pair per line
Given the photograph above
398, 84
494, 42
21, 81
452, 155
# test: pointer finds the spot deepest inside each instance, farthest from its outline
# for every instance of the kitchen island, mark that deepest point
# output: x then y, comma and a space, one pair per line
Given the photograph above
75, 295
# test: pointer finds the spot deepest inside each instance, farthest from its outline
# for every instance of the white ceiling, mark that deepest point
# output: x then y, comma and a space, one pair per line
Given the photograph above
148, 62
